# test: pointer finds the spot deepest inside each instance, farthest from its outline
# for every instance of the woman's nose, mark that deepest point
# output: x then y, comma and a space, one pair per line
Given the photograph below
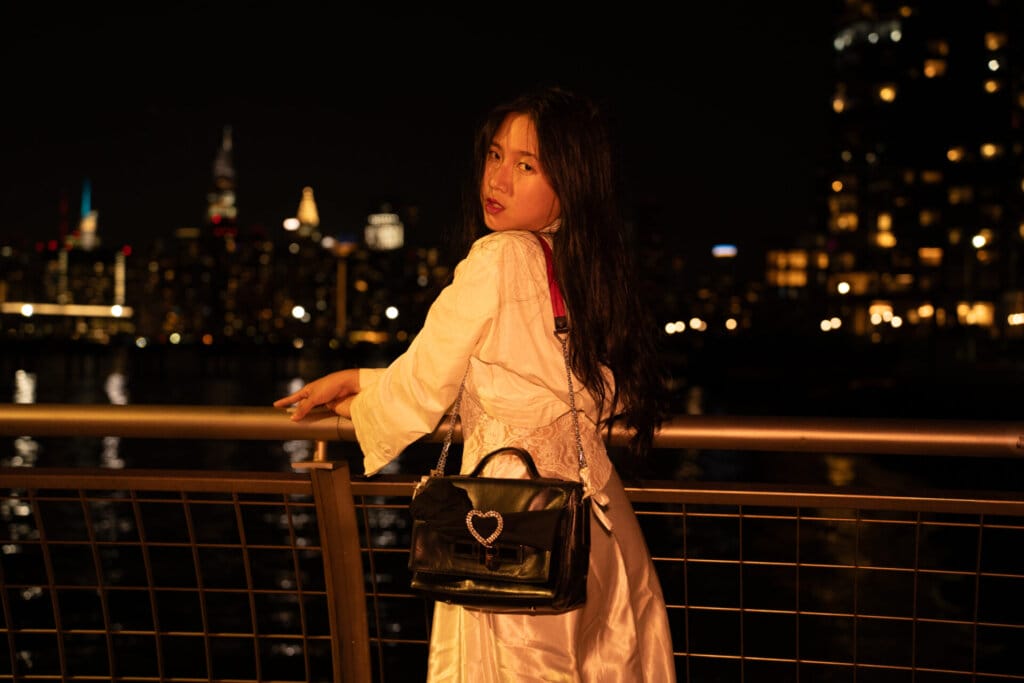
498, 179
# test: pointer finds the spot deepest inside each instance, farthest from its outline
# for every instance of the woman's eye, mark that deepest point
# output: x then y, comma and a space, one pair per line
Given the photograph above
492, 155
525, 167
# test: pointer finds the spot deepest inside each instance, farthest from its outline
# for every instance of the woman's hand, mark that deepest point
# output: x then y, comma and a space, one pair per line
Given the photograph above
335, 391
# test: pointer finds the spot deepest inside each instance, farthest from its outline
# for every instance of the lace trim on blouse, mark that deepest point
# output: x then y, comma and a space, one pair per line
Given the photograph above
552, 446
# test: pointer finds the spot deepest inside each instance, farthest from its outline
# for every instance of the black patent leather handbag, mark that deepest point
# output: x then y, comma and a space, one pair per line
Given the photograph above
503, 544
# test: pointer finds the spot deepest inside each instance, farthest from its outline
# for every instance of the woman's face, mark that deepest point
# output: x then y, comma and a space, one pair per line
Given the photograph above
515, 192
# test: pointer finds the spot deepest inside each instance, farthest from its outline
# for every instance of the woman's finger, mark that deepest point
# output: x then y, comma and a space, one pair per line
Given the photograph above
294, 398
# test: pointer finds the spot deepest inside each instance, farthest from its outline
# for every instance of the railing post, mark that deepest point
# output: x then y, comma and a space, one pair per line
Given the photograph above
343, 570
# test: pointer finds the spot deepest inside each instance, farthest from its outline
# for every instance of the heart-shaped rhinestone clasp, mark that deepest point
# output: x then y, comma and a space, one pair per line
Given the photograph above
473, 514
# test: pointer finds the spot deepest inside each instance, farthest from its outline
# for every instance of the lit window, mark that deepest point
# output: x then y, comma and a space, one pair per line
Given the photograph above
992, 86
884, 222
838, 104
955, 154
886, 240
993, 65
979, 313
990, 150
933, 68
846, 222
837, 185
930, 256
794, 278
887, 93
795, 258
994, 40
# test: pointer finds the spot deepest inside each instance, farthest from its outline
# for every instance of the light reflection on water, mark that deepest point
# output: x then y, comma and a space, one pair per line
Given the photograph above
26, 449
97, 376
176, 375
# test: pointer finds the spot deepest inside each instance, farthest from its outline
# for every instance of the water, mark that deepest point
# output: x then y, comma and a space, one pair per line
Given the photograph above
99, 375
768, 378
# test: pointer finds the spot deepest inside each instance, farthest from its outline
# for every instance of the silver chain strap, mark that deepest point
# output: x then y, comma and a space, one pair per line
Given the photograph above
563, 337
439, 470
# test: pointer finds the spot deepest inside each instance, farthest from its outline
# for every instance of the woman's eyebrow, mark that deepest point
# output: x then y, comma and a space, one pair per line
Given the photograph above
519, 152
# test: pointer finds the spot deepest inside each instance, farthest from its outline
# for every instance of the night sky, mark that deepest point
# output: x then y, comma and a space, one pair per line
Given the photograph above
720, 110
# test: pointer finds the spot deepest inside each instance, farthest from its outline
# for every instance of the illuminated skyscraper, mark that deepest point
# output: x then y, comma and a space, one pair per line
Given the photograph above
87, 237
925, 212
307, 214
221, 212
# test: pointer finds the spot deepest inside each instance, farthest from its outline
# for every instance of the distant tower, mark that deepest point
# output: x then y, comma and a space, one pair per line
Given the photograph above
86, 205
309, 217
221, 212
87, 237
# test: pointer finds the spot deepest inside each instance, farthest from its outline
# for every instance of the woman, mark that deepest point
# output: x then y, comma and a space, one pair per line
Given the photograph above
544, 166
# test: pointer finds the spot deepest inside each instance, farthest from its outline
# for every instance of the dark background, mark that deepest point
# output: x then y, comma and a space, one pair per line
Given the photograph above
721, 110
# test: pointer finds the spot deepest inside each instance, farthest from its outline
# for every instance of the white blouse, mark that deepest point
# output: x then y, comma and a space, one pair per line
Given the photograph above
496, 318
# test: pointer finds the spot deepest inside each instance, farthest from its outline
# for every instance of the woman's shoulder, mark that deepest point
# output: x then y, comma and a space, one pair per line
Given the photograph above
507, 258
506, 243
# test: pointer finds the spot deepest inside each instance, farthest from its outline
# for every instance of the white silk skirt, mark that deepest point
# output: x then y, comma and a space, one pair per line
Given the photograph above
621, 634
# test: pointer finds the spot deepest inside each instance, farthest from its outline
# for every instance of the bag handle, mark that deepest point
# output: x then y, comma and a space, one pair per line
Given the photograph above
562, 333
513, 450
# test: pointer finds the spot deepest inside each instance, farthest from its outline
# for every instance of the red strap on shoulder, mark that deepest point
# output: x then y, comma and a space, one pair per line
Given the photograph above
557, 304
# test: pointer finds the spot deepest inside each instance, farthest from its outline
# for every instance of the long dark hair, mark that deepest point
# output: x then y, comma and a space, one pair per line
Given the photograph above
609, 325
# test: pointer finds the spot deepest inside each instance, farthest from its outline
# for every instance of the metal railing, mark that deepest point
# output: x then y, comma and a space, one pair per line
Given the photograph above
141, 575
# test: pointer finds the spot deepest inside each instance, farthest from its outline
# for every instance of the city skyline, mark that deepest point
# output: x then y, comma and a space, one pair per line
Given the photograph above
381, 110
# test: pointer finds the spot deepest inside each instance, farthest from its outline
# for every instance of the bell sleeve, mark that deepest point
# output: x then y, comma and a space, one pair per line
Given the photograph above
408, 399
